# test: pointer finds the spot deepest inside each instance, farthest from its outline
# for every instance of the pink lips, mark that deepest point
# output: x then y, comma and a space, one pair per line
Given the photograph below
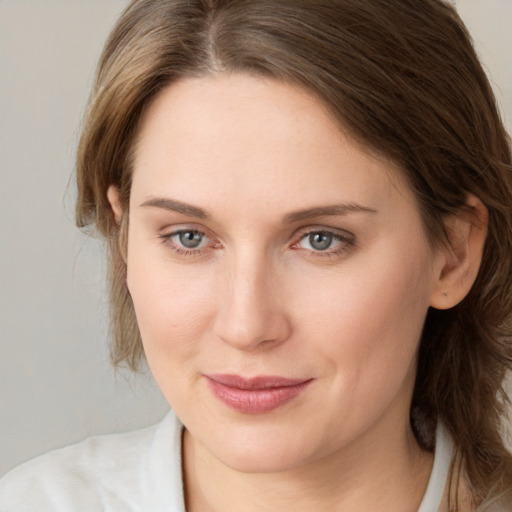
256, 395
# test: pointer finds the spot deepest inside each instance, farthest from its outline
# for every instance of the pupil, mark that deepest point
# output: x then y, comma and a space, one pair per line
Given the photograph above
320, 241
190, 239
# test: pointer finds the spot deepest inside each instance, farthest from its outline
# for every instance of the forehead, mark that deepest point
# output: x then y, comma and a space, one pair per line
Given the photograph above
231, 135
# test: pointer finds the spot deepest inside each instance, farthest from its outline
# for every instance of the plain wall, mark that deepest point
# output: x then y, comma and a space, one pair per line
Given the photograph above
56, 383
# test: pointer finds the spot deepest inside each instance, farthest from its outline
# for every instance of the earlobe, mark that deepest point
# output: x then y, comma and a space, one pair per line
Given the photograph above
460, 257
115, 202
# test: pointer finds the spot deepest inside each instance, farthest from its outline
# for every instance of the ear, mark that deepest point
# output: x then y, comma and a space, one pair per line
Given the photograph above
459, 258
115, 202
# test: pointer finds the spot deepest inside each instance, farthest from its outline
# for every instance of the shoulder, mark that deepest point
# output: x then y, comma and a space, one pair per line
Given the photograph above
99, 474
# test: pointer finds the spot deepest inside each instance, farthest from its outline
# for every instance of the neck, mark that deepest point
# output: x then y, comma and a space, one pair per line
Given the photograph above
365, 475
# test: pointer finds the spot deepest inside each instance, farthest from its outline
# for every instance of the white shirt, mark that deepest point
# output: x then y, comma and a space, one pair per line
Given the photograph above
138, 471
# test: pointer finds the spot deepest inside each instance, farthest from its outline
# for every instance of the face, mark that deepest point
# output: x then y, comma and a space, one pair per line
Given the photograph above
279, 271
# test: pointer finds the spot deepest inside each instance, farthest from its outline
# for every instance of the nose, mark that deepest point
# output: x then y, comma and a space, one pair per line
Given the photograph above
251, 313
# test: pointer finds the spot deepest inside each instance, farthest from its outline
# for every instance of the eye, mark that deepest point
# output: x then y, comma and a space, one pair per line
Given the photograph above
323, 242
188, 242
189, 239
320, 241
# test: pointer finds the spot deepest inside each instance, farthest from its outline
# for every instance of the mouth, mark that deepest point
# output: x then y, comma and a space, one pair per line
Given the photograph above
255, 395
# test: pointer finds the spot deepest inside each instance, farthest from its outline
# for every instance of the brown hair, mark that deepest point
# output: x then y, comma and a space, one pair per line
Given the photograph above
402, 76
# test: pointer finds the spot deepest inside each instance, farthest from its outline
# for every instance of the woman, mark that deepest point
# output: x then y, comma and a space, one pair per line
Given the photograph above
308, 210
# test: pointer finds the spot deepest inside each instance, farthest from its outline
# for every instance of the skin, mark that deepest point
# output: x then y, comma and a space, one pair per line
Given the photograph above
256, 297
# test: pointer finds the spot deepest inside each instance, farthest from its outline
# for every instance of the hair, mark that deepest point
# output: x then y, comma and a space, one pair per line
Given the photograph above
403, 78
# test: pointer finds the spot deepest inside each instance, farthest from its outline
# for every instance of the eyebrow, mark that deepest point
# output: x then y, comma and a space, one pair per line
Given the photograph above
309, 213
330, 210
176, 206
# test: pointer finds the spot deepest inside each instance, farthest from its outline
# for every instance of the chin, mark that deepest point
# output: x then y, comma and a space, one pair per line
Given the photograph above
264, 452
260, 462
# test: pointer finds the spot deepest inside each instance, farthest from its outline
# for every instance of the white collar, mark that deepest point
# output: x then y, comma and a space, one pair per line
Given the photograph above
442, 458
162, 481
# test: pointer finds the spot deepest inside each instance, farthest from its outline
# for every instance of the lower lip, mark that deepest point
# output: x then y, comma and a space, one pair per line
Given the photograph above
256, 401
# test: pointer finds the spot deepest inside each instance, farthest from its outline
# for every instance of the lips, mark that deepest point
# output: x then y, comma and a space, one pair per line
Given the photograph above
256, 395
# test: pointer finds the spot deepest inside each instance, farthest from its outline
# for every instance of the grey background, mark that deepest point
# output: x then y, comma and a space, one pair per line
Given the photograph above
56, 383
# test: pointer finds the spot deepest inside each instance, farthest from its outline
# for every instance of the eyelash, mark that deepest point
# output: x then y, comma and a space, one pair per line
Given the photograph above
181, 251
345, 243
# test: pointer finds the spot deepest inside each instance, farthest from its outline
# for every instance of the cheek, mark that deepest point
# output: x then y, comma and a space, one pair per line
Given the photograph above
173, 305
368, 320
368, 346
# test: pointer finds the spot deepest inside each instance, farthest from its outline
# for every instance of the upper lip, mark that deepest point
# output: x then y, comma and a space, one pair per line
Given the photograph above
255, 383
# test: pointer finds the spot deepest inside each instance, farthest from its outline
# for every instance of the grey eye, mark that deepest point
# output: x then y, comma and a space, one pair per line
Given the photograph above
320, 241
190, 239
